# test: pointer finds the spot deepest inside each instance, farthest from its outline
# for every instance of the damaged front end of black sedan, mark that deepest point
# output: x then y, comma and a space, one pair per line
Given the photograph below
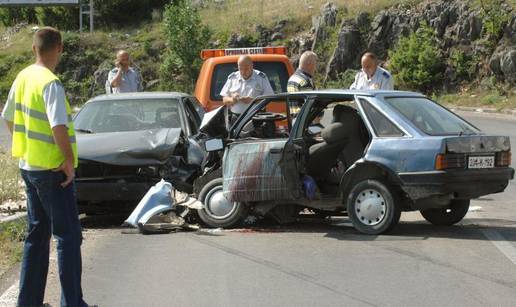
117, 169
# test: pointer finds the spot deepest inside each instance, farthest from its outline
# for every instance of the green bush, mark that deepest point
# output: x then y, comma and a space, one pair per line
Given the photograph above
127, 12
113, 13
186, 37
463, 64
494, 17
15, 15
64, 18
416, 61
343, 80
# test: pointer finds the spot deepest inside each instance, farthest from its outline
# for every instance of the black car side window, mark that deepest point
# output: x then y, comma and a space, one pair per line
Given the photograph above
382, 126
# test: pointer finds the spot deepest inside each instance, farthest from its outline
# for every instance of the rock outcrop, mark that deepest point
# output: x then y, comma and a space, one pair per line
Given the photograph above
457, 24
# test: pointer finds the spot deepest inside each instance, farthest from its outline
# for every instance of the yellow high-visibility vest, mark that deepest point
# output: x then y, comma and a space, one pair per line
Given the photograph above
33, 140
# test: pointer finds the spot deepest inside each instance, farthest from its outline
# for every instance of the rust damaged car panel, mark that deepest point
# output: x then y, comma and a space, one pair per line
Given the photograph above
252, 172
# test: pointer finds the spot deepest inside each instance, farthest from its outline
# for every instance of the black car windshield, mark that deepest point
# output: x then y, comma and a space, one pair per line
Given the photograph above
128, 115
430, 117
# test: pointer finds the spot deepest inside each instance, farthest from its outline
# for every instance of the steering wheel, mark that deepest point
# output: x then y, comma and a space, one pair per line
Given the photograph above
269, 116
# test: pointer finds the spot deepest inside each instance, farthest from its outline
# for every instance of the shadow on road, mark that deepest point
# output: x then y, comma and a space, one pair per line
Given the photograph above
423, 231
341, 229
111, 221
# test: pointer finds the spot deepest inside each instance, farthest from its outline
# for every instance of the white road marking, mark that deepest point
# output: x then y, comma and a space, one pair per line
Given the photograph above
9, 297
501, 243
474, 208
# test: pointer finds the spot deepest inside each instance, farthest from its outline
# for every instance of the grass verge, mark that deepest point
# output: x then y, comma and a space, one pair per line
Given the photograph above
10, 185
479, 99
221, 17
12, 235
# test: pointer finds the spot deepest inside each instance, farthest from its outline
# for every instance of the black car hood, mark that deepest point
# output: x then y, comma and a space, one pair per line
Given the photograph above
145, 147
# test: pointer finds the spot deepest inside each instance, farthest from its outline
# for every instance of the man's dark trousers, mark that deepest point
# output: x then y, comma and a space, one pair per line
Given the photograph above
52, 210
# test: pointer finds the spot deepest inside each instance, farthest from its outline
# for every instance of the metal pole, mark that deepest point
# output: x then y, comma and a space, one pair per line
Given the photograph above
91, 16
80, 16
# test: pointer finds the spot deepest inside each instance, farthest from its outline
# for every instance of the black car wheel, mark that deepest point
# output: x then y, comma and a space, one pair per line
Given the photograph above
447, 216
372, 207
218, 211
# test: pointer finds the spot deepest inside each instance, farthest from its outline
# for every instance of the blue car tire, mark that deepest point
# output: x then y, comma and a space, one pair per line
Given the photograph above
372, 207
447, 216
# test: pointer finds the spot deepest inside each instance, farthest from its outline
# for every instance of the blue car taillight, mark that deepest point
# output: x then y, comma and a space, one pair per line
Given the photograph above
448, 161
503, 158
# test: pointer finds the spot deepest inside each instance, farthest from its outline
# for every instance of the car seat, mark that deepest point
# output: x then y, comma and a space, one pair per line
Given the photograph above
354, 133
323, 156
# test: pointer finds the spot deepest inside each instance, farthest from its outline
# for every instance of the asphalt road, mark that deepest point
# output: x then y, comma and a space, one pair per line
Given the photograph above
311, 264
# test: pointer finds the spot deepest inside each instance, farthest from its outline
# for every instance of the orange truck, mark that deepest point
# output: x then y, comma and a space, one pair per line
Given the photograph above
219, 63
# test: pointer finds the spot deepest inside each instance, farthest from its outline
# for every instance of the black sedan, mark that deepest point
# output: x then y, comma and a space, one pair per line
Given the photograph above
128, 142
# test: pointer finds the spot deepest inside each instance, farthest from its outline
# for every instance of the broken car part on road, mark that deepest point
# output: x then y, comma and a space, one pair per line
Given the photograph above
163, 209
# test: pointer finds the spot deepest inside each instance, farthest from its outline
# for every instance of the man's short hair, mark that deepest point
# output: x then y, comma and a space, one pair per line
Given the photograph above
121, 52
308, 57
370, 55
245, 59
46, 39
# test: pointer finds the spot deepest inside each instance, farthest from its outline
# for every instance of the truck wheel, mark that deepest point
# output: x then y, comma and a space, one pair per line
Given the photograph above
218, 211
372, 207
447, 216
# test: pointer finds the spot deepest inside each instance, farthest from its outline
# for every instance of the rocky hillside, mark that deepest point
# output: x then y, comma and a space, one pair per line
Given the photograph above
468, 40
459, 26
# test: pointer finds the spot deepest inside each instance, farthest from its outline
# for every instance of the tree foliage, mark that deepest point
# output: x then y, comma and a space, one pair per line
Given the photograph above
494, 17
186, 36
113, 13
416, 61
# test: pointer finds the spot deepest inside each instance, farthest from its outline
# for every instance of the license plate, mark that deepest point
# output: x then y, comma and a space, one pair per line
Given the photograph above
481, 162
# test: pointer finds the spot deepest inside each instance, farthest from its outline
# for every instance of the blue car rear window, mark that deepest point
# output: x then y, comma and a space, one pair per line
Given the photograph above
430, 117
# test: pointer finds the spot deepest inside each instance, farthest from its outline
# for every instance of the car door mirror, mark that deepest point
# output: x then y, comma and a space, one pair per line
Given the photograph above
214, 145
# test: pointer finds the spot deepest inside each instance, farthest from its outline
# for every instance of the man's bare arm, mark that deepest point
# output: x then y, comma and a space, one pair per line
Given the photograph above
118, 78
228, 100
63, 142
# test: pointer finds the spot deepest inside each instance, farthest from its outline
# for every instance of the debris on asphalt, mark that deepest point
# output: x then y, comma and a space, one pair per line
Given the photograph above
163, 210
211, 231
475, 209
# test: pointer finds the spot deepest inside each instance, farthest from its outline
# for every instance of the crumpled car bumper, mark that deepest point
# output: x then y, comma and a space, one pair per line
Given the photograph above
461, 184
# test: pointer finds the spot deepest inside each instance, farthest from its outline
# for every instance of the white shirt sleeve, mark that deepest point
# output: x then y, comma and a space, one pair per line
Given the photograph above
225, 90
388, 83
111, 76
55, 104
267, 88
355, 83
10, 105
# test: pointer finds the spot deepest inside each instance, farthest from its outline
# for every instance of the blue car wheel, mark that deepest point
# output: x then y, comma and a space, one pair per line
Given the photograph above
447, 216
372, 207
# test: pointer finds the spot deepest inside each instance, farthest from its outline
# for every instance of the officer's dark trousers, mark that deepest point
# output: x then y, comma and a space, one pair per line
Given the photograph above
52, 210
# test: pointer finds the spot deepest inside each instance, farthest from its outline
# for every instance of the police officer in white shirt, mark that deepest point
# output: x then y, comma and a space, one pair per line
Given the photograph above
243, 86
372, 77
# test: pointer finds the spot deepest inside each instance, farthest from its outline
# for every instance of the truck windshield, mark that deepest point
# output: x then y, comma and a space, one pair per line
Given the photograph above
275, 71
430, 117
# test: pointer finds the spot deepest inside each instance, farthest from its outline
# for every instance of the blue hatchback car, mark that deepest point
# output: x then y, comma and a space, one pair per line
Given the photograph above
367, 154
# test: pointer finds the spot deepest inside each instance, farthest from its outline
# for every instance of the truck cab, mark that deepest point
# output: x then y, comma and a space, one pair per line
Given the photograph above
220, 63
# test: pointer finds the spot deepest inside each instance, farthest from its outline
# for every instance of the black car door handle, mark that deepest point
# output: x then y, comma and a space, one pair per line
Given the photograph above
275, 150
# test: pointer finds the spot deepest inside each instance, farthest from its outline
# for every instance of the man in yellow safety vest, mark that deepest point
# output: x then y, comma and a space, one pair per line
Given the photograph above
39, 117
